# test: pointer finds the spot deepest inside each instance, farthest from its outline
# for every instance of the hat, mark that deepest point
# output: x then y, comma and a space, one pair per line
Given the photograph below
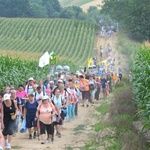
45, 97
60, 81
30, 79
6, 97
51, 81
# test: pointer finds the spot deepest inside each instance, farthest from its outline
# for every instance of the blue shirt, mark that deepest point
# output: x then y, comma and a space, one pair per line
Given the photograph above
31, 108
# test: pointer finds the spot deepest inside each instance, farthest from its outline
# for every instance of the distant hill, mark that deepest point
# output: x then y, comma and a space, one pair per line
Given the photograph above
69, 39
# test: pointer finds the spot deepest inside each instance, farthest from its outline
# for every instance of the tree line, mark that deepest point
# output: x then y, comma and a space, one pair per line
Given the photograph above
132, 14
48, 9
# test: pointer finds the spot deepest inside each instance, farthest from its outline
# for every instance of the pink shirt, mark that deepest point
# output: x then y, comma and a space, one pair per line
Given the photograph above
21, 94
46, 113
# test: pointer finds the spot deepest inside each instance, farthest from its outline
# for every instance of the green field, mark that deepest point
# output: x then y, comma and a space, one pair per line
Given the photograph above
69, 39
66, 3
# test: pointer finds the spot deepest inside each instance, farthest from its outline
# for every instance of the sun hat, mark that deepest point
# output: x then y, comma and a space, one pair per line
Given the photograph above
45, 97
6, 97
30, 79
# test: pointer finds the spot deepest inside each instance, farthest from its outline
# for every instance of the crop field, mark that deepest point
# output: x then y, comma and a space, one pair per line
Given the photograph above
70, 39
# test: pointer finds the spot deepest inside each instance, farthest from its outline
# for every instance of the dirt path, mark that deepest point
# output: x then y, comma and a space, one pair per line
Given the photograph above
74, 134
121, 60
97, 3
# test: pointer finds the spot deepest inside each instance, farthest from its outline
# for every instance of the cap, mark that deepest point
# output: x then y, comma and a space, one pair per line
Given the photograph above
30, 79
45, 97
60, 81
6, 97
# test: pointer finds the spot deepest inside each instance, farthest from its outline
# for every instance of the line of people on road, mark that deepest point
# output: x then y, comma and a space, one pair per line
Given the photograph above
46, 106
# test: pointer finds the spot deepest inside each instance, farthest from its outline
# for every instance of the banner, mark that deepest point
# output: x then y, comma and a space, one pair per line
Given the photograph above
52, 57
90, 62
44, 60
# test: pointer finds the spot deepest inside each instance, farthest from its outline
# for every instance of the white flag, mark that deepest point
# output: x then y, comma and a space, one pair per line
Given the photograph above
44, 60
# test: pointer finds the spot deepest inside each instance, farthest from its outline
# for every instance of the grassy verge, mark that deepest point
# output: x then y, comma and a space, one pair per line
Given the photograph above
117, 132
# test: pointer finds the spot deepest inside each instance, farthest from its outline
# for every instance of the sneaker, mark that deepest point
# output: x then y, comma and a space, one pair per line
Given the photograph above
82, 105
87, 105
52, 139
34, 136
59, 135
8, 146
30, 136
42, 142
49, 140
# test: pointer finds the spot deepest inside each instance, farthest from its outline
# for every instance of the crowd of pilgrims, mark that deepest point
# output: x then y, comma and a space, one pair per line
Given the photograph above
45, 105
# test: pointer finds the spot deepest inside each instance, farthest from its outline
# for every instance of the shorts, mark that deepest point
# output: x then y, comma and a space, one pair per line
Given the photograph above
85, 95
48, 127
30, 122
9, 126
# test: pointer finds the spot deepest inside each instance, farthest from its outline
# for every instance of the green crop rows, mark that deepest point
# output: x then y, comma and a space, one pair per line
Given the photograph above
15, 71
141, 84
70, 39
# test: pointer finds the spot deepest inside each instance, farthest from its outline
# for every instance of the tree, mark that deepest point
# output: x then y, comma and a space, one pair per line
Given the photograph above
134, 14
52, 6
37, 11
14, 8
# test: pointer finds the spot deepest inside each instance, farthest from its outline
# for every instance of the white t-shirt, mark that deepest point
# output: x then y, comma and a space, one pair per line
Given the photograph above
28, 89
37, 96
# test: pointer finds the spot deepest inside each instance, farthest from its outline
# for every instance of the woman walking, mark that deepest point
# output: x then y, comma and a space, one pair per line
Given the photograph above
45, 113
57, 100
30, 113
9, 111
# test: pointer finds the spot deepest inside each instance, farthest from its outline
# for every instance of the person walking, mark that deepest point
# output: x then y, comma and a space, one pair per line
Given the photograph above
45, 113
84, 88
57, 100
30, 113
9, 112
29, 86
